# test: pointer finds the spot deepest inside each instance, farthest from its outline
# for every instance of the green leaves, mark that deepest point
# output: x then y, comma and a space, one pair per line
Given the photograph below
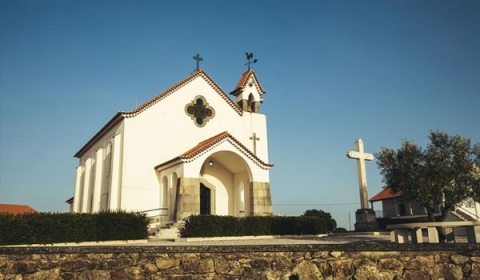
445, 173
325, 216
47, 228
211, 226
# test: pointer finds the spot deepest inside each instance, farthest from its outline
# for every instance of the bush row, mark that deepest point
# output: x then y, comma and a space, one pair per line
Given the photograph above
211, 226
48, 228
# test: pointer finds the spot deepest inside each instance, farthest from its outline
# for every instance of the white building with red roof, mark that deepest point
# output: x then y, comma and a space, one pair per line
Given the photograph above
393, 208
189, 150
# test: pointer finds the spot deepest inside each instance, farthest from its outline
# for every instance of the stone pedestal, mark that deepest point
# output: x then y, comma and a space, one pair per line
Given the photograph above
365, 220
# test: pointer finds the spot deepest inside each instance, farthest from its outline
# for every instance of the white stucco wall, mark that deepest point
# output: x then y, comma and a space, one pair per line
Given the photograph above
94, 171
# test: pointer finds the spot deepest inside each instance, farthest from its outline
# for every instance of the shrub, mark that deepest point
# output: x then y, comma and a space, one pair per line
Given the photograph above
47, 228
210, 226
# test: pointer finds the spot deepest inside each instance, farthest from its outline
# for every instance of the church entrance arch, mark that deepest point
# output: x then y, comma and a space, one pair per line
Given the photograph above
228, 177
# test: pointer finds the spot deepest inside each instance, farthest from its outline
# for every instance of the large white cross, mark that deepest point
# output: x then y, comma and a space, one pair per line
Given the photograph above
360, 155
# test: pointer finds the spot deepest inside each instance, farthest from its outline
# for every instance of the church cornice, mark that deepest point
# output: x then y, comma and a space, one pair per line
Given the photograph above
209, 144
105, 129
179, 85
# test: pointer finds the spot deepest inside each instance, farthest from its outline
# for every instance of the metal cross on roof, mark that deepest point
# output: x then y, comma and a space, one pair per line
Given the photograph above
198, 59
250, 61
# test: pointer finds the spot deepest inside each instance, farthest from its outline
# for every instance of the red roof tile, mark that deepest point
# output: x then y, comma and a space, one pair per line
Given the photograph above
16, 209
210, 142
243, 82
384, 194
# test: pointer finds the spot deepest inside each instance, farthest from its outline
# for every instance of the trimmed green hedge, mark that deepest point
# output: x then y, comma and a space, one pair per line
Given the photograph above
48, 228
211, 226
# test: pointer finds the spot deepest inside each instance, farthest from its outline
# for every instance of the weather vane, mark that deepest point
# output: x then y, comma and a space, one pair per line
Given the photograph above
198, 59
250, 61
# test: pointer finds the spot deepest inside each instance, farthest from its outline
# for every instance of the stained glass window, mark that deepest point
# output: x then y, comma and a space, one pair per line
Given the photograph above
199, 111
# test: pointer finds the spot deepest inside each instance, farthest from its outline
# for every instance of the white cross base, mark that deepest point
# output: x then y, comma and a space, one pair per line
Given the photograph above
360, 155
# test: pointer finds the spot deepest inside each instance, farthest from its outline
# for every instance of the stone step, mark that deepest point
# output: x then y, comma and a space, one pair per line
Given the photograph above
169, 231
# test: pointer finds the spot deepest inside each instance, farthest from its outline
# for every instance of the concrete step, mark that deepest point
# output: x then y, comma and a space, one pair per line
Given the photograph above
168, 231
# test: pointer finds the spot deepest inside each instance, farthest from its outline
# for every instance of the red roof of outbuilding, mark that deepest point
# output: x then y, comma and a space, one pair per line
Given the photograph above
386, 193
16, 209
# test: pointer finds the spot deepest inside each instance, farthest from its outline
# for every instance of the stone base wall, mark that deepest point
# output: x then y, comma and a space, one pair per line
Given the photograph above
353, 261
260, 199
188, 198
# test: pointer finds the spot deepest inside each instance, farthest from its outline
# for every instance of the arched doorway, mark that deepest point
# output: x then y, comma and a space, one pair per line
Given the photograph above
205, 200
226, 175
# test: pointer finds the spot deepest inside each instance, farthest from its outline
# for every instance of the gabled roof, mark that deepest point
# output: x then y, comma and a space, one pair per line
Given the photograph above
16, 209
243, 82
212, 142
384, 194
128, 114
177, 86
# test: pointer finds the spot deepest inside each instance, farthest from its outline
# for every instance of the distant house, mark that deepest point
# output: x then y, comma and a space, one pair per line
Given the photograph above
391, 207
16, 209
393, 211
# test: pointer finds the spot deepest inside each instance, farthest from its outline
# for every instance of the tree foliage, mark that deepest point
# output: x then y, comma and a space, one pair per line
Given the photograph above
327, 217
446, 172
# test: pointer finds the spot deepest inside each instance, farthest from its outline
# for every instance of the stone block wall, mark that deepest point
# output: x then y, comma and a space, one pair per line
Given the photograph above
351, 261
260, 199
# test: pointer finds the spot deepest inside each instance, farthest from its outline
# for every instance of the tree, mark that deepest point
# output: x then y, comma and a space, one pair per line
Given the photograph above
327, 217
445, 173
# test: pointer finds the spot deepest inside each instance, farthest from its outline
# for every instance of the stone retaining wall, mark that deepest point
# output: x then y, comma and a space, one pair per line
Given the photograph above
351, 261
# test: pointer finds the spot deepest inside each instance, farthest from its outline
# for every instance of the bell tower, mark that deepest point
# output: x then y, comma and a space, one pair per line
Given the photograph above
249, 92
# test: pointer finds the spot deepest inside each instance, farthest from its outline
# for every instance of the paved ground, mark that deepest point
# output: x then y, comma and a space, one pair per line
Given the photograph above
332, 239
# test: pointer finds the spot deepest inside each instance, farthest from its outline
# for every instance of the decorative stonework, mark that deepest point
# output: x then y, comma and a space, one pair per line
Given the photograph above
199, 111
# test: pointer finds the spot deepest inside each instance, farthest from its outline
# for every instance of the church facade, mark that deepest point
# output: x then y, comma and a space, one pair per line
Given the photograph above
189, 150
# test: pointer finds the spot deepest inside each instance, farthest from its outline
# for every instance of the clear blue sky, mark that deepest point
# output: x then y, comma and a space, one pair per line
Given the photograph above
334, 71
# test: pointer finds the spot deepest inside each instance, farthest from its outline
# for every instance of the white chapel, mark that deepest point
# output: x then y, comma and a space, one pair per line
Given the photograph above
190, 150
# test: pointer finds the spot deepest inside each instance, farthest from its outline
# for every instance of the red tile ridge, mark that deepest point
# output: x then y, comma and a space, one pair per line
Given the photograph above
212, 141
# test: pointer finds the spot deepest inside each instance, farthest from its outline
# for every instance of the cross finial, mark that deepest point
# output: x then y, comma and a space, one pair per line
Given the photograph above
198, 59
250, 61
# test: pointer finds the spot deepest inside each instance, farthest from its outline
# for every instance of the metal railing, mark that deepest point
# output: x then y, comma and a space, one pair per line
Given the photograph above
163, 212
156, 209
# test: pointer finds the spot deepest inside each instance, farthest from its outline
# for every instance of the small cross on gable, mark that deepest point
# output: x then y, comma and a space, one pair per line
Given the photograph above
198, 59
254, 138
